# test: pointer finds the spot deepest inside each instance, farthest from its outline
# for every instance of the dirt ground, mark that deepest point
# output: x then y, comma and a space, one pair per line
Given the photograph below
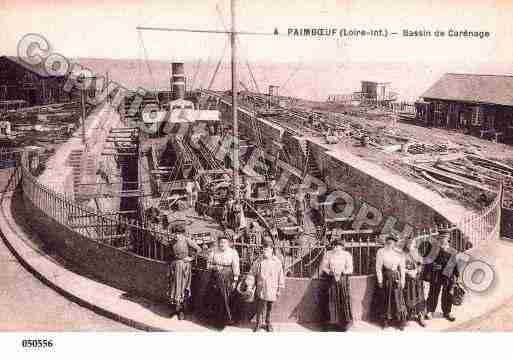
376, 124
500, 319
373, 121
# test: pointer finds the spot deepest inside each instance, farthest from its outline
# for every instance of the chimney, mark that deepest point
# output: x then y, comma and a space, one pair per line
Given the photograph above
273, 95
177, 81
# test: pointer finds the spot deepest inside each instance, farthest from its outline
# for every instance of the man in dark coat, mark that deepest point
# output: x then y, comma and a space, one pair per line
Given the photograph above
443, 274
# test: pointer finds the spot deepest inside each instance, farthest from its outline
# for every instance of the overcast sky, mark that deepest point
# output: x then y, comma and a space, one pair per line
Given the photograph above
93, 28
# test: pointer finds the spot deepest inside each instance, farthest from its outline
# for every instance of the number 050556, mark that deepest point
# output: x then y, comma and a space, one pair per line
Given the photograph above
37, 343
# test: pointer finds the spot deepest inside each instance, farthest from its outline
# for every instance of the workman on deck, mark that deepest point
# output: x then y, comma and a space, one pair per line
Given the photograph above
228, 211
300, 207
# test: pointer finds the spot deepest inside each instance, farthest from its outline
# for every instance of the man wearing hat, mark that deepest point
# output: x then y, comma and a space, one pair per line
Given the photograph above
180, 267
443, 276
391, 277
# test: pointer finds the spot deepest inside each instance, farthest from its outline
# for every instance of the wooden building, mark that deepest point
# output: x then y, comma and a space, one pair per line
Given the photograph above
377, 93
476, 104
21, 81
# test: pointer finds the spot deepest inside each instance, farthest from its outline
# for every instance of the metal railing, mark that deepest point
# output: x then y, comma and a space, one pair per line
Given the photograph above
302, 261
115, 229
481, 226
150, 241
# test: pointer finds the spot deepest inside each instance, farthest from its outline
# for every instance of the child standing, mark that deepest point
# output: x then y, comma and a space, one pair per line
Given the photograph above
270, 280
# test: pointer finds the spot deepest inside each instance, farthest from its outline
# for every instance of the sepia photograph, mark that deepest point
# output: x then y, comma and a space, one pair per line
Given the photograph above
335, 167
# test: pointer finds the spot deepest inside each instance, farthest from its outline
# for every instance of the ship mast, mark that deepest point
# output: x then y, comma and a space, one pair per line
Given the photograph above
235, 84
233, 37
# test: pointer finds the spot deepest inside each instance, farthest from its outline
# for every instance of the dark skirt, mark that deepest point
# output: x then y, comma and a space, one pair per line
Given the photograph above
179, 289
200, 208
392, 303
339, 301
414, 297
218, 296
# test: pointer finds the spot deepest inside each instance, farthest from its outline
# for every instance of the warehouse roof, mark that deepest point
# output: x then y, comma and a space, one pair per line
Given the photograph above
37, 69
493, 89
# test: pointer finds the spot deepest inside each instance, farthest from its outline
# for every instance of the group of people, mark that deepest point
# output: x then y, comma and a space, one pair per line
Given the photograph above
221, 300
401, 276
232, 216
400, 294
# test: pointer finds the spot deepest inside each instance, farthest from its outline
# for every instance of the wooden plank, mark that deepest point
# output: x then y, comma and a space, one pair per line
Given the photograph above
119, 154
456, 171
359, 231
424, 173
453, 177
499, 167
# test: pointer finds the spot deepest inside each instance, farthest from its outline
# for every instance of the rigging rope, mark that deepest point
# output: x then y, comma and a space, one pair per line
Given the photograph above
141, 40
198, 65
252, 77
283, 87
204, 76
220, 16
217, 67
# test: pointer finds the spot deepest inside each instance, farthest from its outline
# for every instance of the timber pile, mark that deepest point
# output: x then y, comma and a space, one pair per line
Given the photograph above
491, 165
452, 178
449, 167
440, 182
420, 148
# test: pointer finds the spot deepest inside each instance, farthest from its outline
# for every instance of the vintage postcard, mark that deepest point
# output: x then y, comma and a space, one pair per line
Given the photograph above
255, 166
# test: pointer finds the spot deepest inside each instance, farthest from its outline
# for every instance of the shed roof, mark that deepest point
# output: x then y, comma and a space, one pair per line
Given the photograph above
36, 69
493, 89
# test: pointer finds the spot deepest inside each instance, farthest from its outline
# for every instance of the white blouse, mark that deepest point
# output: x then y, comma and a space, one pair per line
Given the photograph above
392, 259
337, 263
227, 258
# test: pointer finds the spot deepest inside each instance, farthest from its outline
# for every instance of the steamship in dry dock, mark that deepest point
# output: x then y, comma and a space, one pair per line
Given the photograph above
183, 148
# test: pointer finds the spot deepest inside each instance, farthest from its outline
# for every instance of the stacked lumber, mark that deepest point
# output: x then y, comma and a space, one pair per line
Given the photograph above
420, 148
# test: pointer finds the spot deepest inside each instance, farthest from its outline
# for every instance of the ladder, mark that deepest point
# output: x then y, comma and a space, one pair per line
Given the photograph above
310, 165
163, 202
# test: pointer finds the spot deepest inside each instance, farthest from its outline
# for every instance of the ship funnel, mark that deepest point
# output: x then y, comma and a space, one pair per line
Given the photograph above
177, 81
273, 95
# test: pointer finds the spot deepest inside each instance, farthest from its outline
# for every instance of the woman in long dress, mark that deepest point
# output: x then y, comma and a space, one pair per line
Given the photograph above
391, 277
223, 264
414, 296
336, 267
180, 271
